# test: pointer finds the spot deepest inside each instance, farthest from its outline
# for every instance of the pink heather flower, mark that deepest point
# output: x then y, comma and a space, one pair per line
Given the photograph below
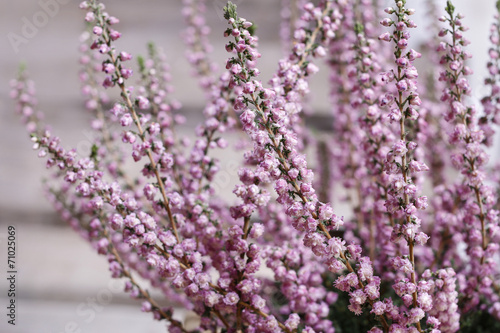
400, 26
402, 85
102, 246
126, 120
149, 238
336, 246
258, 302
211, 298
378, 308
355, 308
425, 301
416, 101
167, 238
411, 24
325, 212
114, 35
97, 30
312, 68
455, 65
413, 55
113, 20
319, 51
131, 220
399, 148
336, 266
126, 73
375, 330
411, 73
117, 109
235, 68
386, 37
108, 68
372, 291
231, 298
421, 238
83, 189
355, 251
84, 5
433, 321
386, 22
116, 222
463, 84
416, 314
146, 307
410, 189
352, 279
104, 48
402, 264
89, 17
389, 10
142, 102
124, 56
148, 221
458, 108
293, 321
402, 43
257, 230
416, 166
358, 297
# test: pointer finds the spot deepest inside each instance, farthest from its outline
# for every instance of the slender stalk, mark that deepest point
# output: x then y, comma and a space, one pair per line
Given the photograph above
405, 173
142, 291
468, 140
126, 97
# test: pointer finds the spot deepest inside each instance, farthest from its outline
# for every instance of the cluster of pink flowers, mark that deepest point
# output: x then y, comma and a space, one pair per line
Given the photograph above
418, 252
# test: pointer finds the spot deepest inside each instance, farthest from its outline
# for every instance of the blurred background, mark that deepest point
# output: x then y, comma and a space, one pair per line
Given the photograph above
62, 285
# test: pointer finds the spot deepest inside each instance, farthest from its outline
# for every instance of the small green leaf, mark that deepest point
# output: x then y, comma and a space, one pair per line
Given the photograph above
152, 49
230, 11
93, 153
252, 29
450, 8
140, 62
22, 68
358, 28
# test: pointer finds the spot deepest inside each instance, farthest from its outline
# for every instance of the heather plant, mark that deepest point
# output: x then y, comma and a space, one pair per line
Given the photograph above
408, 153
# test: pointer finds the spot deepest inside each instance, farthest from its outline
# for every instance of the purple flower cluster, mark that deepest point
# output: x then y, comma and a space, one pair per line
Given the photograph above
403, 201
470, 159
418, 250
